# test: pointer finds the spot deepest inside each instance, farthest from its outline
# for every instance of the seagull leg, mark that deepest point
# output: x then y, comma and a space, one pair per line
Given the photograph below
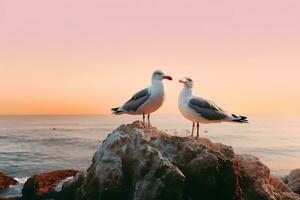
144, 120
193, 127
149, 125
197, 129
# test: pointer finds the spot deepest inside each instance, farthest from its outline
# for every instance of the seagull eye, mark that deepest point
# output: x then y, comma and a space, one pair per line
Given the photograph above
190, 80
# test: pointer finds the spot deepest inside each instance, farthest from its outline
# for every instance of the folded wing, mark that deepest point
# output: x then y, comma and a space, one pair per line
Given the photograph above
136, 100
206, 109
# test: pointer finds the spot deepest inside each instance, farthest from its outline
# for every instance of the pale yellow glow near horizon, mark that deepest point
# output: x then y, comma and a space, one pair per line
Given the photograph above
241, 78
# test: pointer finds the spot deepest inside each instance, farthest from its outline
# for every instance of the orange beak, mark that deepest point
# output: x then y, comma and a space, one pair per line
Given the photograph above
181, 81
168, 77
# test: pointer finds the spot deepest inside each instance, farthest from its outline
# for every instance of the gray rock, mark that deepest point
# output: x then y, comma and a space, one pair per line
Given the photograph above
293, 180
148, 164
136, 163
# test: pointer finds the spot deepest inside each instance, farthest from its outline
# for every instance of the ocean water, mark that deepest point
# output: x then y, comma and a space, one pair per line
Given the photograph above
34, 144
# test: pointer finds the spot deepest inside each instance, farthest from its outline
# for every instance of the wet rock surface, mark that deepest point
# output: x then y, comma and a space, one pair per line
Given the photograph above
6, 181
42, 186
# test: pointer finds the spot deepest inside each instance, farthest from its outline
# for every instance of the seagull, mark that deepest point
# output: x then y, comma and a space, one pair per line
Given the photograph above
147, 100
199, 110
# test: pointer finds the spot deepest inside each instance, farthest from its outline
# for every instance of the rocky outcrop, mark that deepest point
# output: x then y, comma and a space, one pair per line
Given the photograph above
6, 181
42, 186
136, 163
258, 184
293, 180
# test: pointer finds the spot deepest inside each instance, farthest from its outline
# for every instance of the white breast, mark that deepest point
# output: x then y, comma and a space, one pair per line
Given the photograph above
183, 100
154, 102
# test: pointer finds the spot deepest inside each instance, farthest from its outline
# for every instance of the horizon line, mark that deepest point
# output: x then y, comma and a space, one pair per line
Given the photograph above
108, 114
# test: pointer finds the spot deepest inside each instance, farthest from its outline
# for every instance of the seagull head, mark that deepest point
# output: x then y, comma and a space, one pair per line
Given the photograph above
160, 75
187, 82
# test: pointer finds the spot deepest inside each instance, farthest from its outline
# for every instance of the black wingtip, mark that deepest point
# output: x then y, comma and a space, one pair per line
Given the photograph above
115, 109
240, 119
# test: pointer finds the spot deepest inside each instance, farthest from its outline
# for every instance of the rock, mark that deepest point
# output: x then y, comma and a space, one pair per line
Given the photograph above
43, 185
136, 163
6, 181
258, 184
293, 180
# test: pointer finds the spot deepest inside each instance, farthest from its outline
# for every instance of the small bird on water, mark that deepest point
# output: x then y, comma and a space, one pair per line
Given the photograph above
199, 110
147, 100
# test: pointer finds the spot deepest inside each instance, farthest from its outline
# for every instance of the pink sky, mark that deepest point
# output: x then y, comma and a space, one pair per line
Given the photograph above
66, 57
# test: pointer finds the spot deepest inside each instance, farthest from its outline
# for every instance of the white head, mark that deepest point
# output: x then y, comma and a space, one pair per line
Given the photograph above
187, 82
160, 75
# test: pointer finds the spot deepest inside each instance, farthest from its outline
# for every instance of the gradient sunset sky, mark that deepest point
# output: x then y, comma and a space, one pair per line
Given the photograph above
84, 57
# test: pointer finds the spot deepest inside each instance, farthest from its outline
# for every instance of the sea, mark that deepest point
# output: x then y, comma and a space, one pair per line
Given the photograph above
35, 144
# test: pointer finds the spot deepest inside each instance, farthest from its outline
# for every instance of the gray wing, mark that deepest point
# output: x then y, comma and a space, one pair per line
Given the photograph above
206, 109
136, 100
